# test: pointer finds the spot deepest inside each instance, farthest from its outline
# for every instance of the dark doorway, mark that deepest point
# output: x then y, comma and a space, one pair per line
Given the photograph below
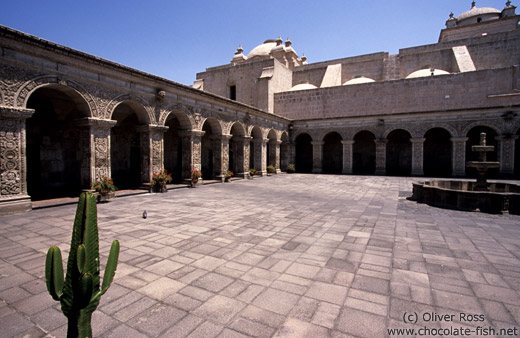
173, 149
437, 153
332, 154
125, 145
399, 153
364, 153
303, 153
54, 153
207, 152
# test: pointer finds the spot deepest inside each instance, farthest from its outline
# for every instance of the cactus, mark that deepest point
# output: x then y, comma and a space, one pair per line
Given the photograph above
80, 292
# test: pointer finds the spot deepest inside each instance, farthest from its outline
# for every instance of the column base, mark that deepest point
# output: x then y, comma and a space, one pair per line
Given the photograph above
347, 171
316, 171
380, 172
244, 175
417, 173
15, 205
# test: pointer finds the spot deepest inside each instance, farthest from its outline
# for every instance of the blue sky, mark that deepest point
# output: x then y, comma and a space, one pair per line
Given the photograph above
176, 39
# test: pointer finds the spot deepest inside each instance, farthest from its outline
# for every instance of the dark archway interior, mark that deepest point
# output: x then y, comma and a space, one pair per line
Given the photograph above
364, 153
125, 148
173, 149
437, 153
332, 154
303, 153
54, 152
284, 153
207, 152
399, 153
474, 139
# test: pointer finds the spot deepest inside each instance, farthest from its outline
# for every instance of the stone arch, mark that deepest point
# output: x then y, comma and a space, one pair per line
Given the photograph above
237, 153
57, 147
437, 152
399, 152
284, 151
472, 125
184, 120
332, 159
323, 133
24, 92
389, 130
303, 152
215, 124
136, 103
364, 152
446, 126
271, 159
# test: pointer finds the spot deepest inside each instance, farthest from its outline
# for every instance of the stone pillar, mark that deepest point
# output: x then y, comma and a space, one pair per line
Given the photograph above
347, 156
191, 148
262, 168
458, 161
417, 156
152, 150
241, 147
381, 156
317, 156
13, 169
221, 155
274, 154
95, 135
507, 155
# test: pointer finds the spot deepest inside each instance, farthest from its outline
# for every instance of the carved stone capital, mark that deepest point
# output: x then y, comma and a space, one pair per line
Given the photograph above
12, 113
94, 122
151, 128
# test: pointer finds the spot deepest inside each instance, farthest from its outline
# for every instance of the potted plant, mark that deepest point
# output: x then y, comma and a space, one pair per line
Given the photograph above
159, 181
228, 175
270, 169
252, 172
291, 169
195, 175
104, 187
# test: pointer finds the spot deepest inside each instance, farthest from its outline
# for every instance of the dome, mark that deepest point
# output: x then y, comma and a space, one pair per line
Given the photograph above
263, 49
303, 86
358, 80
476, 13
426, 72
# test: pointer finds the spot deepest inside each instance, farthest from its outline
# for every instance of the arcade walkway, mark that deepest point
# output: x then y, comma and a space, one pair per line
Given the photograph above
284, 256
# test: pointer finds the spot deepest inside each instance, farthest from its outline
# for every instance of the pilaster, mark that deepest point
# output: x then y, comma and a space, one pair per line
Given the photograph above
347, 156
459, 156
241, 146
417, 156
381, 156
274, 154
191, 157
221, 155
317, 156
152, 150
507, 154
13, 168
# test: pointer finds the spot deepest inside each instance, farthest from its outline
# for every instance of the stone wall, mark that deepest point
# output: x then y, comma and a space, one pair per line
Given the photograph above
440, 93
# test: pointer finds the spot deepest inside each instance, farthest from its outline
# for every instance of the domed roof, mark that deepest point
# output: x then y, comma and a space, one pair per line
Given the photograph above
476, 11
303, 86
358, 80
426, 72
263, 49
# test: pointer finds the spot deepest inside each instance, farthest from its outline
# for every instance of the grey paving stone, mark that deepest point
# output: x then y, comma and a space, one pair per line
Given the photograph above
219, 309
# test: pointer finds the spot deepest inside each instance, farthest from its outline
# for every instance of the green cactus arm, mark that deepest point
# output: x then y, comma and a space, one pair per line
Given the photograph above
54, 272
86, 289
110, 269
81, 258
91, 240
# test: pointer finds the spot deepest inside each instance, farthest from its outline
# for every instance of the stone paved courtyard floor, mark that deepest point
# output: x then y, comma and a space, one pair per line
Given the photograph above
284, 256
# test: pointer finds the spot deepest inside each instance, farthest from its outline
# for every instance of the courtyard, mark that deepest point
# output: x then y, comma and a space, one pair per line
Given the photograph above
285, 256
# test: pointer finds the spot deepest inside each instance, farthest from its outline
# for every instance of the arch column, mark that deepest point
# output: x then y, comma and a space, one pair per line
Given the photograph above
221, 155
260, 156
95, 144
381, 156
13, 169
507, 154
459, 156
152, 150
274, 156
191, 154
317, 156
347, 156
417, 156
241, 144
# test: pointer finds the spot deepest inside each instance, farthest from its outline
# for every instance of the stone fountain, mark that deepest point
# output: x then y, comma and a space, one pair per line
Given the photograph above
466, 195
482, 165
